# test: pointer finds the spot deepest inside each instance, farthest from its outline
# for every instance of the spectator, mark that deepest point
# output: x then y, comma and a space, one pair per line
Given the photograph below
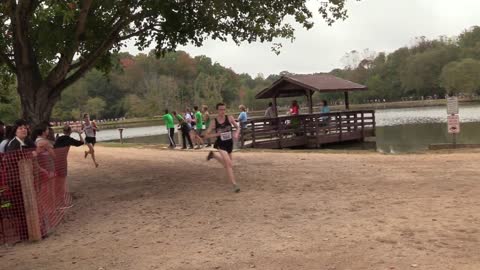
270, 111
294, 111
62, 146
185, 129
8, 136
325, 109
65, 140
243, 117
198, 128
46, 155
2, 131
168, 120
19, 141
188, 118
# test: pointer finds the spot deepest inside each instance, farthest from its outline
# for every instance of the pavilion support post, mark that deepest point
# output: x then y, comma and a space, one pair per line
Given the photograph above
275, 111
347, 102
310, 102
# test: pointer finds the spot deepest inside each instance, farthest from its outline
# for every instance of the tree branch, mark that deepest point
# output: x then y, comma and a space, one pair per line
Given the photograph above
136, 33
89, 61
58, 73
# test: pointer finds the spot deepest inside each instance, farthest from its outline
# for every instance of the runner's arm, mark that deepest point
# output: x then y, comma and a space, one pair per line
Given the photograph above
209, 130
237, 127
81, 138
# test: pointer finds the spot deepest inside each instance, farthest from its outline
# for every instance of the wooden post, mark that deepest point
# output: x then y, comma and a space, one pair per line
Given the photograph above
242, 136
373, 122
253, 135
347, 102
340, 125
305, 126
317, 131
310, 101
280, 135
275, 111
121, 135
363, 126
30, 199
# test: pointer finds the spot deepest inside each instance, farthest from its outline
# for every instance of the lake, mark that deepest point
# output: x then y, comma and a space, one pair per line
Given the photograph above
398, 130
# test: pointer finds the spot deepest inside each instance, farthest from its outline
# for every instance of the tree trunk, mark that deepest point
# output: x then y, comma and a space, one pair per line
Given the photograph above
36, 105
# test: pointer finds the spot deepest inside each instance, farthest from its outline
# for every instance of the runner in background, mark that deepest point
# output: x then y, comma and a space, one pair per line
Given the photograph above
221, 129
168, 120
90, 130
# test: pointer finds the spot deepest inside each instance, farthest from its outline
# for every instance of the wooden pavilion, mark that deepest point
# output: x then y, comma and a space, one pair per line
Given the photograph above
310, 130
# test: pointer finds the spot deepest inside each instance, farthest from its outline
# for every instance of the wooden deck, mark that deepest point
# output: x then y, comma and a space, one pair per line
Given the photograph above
310, 130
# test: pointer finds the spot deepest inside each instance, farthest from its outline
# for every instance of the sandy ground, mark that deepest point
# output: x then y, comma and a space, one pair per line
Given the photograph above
157, 209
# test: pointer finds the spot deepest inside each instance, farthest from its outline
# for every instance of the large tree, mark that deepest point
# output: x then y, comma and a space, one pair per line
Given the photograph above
50, 44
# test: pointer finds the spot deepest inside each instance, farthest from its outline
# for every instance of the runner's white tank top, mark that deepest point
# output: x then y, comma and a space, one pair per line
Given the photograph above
89, 130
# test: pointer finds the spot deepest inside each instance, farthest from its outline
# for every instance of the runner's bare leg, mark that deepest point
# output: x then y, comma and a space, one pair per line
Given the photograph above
92, 152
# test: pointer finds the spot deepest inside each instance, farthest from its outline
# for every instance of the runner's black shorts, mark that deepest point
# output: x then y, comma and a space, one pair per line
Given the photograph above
224, 145
91, 140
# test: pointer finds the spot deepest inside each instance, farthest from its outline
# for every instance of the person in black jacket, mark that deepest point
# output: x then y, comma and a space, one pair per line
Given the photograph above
20, 140
62, 146
19, 148
65, 140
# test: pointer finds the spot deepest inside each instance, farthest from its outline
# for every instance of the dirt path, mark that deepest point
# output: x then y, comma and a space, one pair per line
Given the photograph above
154, 209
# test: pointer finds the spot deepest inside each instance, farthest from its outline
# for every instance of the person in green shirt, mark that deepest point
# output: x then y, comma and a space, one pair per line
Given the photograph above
168, 120
198, 127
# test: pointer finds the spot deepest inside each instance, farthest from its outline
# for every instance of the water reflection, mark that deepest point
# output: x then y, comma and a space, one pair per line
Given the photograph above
398, 130
417, 137
392, 117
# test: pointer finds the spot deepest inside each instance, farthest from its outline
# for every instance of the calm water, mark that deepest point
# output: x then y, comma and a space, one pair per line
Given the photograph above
398, 130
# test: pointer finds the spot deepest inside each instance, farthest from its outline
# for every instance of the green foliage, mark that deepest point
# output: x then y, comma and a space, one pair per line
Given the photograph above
55, 43
95, 106
147, 85
429, 68
461, 76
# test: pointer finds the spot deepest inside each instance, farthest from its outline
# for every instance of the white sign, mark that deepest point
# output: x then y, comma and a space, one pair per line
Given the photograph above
453, 124
452, 105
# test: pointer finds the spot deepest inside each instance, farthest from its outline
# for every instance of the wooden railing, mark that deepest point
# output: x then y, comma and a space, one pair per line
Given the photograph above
311, 130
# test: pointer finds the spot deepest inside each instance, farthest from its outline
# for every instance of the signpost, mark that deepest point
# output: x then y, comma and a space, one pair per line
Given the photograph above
452, 105
121, 135
453, 120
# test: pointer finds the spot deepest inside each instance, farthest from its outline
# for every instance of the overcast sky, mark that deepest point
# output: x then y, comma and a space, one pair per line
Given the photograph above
379, 25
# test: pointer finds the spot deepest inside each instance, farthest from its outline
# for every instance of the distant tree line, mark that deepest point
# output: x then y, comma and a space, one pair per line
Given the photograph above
144, 85
430, 68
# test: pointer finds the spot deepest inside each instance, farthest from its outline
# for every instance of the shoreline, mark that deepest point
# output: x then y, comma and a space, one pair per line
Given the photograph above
157, 121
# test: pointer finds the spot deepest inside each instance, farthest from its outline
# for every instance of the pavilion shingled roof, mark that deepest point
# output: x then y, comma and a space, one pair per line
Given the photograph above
295, 85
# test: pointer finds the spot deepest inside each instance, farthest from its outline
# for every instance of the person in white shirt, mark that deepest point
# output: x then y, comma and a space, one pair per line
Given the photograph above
6, 139
270, 111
